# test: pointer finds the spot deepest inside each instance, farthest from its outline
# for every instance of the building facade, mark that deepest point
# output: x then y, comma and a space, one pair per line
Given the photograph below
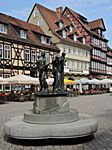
20, 45
82, 40
94, 36
109, 62
66, 37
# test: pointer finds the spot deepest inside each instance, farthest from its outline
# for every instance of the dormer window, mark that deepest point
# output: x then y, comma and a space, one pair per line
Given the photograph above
3, 28
23, 34
84, 40
68, 15
36, 13
74, 37
64, 34
99, 31
70, 28
45, 40
60, 24
39, 22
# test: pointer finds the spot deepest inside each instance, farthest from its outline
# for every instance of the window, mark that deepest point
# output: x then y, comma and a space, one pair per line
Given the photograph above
87, 66
82, 65
79, 65
68, 15
45, 40
99, 31
23, 34
1, 51
84, 40
98, 42
75, 64
70, 28
47, 57
93, 51
1, 85
27, 55
3, 28
68, 63
33, 56
91, 64
75, 37
64, 34
40, 22
60, 24
36, 13
88, 54
79, 52
69, 50
7, 51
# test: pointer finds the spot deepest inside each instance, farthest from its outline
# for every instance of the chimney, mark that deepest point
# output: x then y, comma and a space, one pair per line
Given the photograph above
59, 11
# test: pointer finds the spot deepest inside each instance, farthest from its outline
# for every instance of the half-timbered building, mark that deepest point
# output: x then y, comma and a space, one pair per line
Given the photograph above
94, 36
20, 44
109, 62
66, 37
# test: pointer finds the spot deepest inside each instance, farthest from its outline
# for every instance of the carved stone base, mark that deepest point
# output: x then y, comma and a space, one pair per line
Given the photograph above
51, 103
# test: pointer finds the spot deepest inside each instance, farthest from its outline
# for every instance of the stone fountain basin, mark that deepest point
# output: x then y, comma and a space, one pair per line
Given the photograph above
19, 129
51, 117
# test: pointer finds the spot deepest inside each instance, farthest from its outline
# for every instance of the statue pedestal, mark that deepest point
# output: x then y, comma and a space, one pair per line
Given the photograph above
51, 117
50, 103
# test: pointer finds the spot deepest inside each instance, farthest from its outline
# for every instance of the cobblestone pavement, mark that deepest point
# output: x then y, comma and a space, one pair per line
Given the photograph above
100, 106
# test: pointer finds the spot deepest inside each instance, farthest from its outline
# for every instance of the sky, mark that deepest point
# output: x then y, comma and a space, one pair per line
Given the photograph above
91, 9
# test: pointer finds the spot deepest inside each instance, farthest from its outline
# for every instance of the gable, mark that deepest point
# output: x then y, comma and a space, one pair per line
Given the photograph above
73, 16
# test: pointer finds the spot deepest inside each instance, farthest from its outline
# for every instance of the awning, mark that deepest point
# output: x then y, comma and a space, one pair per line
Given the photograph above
67, 81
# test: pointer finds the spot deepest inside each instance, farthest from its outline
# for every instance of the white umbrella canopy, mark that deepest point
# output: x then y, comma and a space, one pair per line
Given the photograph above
22, 79
106, 81
83, 81
95, 81
3, 81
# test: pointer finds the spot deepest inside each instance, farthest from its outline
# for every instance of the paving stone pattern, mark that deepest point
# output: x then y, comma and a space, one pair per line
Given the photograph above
99, 106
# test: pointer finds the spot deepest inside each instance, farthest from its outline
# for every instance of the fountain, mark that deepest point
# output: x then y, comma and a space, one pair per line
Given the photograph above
51, 116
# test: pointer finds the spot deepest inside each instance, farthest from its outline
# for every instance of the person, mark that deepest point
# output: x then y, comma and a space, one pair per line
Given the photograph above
43, 74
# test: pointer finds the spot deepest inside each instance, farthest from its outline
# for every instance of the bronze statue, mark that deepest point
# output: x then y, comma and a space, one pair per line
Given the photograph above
43, 74
62, 64
58, 73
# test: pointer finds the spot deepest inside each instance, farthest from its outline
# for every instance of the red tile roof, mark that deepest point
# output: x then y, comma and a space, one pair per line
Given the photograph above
89, 25
28, 27
51, 18
97, 24
78, 18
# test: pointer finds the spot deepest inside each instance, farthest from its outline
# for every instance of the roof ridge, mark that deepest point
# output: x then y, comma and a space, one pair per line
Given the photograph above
14, 18
17, 20
37, 4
